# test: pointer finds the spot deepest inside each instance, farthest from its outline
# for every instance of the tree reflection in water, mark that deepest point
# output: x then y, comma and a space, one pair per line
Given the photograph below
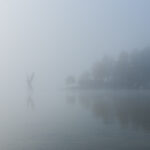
128, 108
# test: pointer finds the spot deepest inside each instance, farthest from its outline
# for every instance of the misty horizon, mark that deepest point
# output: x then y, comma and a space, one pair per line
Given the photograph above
74, 74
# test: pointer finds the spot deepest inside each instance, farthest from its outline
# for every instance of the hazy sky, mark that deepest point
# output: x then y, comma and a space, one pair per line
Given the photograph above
56, 38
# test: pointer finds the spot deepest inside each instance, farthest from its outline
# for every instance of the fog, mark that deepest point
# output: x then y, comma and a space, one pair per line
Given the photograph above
42, 42
66, 37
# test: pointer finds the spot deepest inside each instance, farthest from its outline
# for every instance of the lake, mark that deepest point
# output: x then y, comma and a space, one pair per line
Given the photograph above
76, 120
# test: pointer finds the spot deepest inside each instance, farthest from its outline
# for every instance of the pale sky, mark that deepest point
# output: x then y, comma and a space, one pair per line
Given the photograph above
56, 38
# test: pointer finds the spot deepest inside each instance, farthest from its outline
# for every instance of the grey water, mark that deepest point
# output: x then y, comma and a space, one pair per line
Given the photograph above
76, 120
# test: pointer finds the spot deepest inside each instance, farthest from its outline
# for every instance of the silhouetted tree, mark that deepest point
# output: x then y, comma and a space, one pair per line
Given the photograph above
130, 70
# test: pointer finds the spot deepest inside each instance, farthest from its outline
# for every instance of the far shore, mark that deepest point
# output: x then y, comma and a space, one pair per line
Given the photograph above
78, 88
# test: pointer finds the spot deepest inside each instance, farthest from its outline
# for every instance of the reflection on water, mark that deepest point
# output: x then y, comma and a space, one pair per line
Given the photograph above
30, 89
30, 102
128, 109
90, 120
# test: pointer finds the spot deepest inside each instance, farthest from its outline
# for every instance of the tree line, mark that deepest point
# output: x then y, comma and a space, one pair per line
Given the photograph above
129, 70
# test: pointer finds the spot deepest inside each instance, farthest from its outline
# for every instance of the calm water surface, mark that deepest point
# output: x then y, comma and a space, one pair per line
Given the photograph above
90, 120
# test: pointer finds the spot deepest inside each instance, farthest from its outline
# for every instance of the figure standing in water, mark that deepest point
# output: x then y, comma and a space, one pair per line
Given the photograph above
30, 81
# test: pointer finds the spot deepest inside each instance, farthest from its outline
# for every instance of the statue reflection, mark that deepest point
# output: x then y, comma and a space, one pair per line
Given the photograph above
30, 101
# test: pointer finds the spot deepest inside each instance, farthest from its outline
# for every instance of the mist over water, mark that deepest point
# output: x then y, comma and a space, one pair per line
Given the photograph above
74, 75
77, 120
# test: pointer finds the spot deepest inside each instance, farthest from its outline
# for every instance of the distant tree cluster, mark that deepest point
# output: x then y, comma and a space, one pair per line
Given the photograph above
129, 70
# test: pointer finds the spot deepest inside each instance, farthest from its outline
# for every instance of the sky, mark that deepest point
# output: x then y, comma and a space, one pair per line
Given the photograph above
57, 38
